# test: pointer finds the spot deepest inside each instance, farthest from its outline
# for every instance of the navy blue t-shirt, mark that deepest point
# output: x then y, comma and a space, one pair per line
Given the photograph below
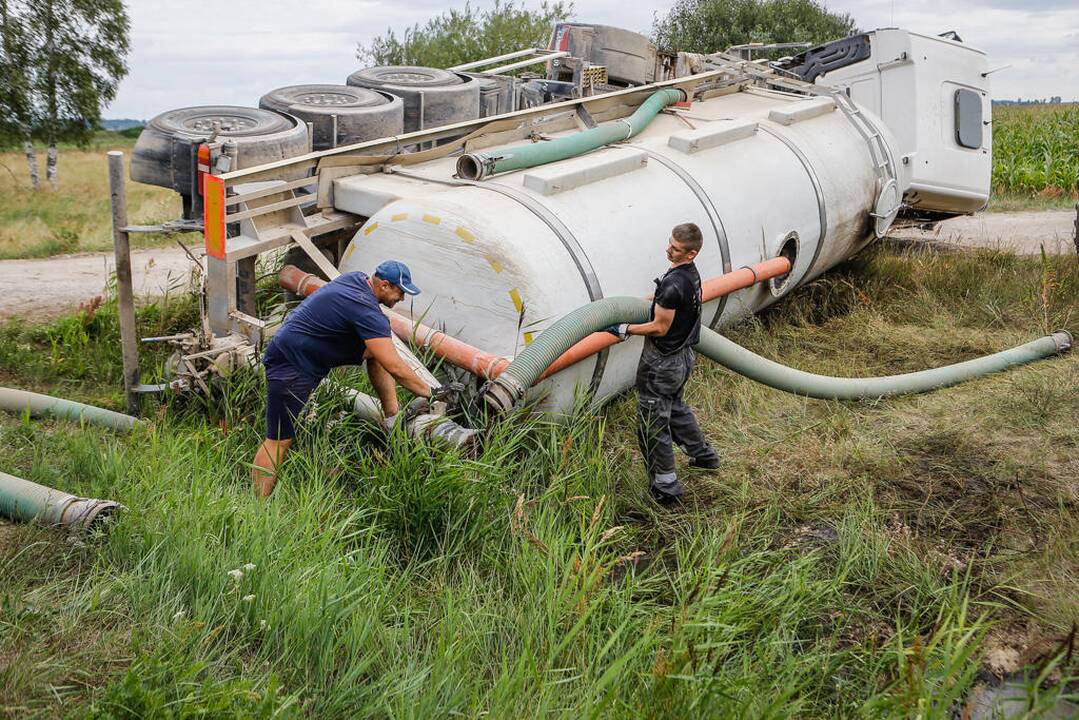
330, 328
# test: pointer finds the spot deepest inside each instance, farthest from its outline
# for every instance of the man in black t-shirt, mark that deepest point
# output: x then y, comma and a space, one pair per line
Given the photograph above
664, 368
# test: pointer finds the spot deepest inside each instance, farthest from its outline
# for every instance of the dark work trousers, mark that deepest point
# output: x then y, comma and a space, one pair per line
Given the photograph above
662, 416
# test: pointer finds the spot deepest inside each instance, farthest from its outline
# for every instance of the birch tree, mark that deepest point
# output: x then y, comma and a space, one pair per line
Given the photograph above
78, 63
17, 107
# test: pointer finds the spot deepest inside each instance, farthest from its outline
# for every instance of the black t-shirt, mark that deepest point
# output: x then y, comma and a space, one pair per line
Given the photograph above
679, 290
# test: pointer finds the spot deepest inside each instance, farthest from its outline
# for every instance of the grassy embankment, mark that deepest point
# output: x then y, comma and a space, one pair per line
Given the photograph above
849, 560
75, 217
1035, 167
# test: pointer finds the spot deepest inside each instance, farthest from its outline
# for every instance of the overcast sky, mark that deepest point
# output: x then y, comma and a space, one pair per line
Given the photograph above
202, 52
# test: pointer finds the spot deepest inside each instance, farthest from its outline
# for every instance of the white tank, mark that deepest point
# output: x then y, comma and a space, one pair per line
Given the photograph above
501, 259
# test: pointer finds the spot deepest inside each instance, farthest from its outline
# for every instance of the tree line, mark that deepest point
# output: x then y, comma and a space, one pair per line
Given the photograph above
457, 36
60, 62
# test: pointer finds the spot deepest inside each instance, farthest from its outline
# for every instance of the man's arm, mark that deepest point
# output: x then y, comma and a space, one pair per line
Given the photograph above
383, 352
658, 327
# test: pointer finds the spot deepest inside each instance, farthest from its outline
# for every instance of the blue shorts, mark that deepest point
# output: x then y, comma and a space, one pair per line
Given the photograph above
287, 391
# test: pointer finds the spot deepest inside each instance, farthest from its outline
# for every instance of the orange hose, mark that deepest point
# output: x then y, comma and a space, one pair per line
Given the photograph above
710, 290
484, 364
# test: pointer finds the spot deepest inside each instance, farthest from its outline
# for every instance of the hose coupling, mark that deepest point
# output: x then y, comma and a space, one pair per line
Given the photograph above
502, 393
1064, 341
475, 166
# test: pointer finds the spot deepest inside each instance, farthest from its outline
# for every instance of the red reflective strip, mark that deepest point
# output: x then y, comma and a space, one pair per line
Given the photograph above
213, 218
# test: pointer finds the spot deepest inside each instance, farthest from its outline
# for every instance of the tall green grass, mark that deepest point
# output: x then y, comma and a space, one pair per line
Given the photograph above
850, 560
1036, 150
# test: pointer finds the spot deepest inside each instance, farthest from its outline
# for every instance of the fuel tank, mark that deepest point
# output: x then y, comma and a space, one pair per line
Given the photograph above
761, 172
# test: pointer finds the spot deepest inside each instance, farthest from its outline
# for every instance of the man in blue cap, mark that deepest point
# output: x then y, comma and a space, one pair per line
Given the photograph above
341, 324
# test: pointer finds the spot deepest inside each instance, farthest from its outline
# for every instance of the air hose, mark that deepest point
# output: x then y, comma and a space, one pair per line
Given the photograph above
18, 401
504, 391
479, 165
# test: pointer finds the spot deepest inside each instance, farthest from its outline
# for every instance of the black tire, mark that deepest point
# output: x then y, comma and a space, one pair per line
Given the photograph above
447, 97
362, 114
162, 154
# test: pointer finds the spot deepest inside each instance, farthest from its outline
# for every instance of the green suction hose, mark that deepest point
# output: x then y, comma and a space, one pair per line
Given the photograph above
503, 392
17, 401
477, 166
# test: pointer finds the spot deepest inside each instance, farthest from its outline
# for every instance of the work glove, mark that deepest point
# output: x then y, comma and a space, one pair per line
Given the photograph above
619, 331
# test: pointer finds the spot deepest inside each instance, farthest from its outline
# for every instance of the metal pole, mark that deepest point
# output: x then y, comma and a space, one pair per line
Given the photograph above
124, 291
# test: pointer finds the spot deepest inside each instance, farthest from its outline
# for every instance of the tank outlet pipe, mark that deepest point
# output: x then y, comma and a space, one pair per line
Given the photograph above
18, 401
455, 352
503, 392
434, 427
25, 501
480, 165
711, 289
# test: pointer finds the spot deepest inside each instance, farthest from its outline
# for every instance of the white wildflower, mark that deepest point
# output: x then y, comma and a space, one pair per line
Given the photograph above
262, 625
180, 615
249, 567
248, 598
236, 575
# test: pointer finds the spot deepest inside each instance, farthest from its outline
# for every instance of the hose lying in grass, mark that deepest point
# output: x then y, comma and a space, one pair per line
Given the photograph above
428, 427
18, 401
504, 391
25, 501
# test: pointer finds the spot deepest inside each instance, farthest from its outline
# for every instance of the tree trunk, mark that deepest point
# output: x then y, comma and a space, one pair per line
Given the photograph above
50, 165
31, 161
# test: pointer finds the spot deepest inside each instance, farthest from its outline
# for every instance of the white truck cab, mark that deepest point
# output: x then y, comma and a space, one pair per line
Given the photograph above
933, 94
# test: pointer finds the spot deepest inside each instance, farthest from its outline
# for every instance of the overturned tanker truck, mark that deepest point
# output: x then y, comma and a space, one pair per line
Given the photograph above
530, 207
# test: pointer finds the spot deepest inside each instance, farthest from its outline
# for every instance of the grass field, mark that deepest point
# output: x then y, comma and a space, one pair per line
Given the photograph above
76, 217
849, 560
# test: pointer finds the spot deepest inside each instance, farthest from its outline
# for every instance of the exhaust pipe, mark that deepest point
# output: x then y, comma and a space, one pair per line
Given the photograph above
25, 501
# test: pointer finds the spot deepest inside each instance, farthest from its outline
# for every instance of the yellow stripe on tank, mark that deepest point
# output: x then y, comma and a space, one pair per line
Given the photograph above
465, 235
528, 338
398, 217
370, 228
497, 266
433, 219
517, 302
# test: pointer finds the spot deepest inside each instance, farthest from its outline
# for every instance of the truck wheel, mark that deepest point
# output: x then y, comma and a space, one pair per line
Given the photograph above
445, 97
362, 114
162, 154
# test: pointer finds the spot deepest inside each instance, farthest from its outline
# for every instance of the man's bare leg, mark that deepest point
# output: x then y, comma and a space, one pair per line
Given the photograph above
385, 387
268, 458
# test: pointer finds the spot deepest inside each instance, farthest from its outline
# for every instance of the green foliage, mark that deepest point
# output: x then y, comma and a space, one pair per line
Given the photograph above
16, 103
457, 36
1036, 150
712, 25
77, 61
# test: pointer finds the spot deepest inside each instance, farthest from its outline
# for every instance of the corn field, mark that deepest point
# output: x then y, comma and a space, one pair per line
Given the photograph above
1036, 150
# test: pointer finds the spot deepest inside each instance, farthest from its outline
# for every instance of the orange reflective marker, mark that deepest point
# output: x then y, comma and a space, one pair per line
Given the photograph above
213, 221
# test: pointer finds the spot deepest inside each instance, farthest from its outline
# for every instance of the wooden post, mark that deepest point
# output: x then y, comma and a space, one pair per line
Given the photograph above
124, 290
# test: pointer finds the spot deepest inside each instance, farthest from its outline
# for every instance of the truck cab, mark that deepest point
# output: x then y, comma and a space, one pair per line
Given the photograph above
933, 94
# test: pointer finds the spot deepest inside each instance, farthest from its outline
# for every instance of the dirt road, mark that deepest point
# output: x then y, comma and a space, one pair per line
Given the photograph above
1022, 233
39, 290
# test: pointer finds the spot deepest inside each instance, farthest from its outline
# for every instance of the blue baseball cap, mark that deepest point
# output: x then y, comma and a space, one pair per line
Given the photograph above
398, 273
